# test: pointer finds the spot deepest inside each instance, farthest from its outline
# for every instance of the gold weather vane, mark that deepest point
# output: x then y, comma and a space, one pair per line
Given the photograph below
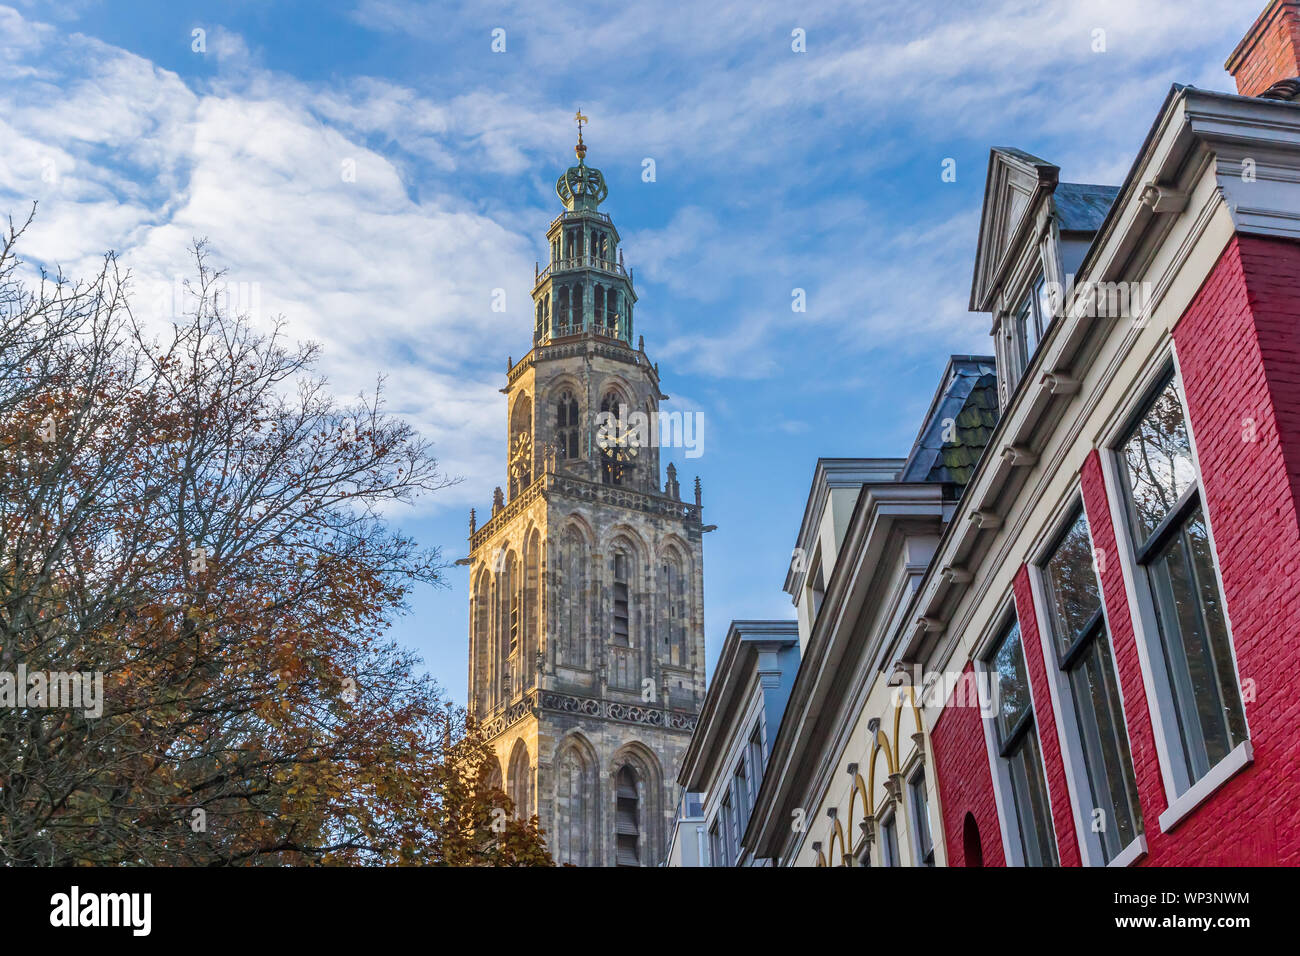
580, 149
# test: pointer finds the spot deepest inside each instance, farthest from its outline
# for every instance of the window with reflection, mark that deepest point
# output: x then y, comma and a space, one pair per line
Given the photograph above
1017, 740
1172, 543
1030, 320
889, 841
729, 838
1077, 627
717, 856
922, 842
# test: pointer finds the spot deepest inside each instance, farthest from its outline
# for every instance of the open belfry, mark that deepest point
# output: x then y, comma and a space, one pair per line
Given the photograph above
586, 663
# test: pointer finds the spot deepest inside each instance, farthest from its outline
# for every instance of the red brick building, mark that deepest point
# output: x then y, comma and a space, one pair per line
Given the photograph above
1118, 574
1135, 589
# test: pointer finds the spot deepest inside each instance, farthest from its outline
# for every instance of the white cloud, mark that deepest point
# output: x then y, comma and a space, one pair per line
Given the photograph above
387, 283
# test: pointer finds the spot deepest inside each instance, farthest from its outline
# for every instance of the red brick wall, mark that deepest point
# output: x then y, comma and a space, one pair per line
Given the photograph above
1067, 843
961, 766
1237, 344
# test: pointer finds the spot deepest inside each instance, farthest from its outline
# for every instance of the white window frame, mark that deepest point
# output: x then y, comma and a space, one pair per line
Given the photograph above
1012, 848
917, 766
1067, 716
1182, 794
889, 817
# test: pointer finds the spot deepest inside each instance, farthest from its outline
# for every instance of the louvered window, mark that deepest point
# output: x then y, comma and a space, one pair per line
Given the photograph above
626, 830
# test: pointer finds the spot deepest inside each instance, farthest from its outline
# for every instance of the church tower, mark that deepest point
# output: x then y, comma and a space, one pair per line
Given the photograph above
586, 665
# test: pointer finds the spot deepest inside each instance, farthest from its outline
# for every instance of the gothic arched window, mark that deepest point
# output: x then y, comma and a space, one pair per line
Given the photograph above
622, 609
599, 306
571, 587
492, 775
577, 804
532, 607
627, 830
577, 317
520, 781
674, 595
508, 635
566, 426
481, 656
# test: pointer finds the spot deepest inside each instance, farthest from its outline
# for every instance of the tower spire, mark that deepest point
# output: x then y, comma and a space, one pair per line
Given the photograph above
581, 186
581, 148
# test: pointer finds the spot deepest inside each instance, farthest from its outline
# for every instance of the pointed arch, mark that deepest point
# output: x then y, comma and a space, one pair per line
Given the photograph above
577, 803
859, 794
674, 580
636, 765
625, 617
493, 776
508, 624
530, 642
520, 780
620, 389
972, 848
565, 403
835, 839
631, 538
572, 576
627, 624
480, 653
881, 744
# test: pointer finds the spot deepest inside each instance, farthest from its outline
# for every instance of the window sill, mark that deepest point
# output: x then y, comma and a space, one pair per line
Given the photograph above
1241, 757
1131, 853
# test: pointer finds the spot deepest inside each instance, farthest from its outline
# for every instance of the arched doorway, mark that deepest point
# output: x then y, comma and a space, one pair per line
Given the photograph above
970, 841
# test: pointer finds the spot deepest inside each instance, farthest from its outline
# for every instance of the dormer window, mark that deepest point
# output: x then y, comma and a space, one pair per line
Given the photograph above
1031, 319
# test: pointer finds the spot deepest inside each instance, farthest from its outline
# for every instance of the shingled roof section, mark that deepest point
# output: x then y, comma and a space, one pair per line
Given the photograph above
961, 419
1082, 207
974, 424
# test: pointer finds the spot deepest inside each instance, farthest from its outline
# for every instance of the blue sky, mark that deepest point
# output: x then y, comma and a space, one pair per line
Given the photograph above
775, 170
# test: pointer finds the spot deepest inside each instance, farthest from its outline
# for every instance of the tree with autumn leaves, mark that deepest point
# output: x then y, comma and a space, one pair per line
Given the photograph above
193, 515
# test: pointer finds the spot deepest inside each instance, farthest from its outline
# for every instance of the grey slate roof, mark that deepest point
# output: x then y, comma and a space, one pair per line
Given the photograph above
1082, 207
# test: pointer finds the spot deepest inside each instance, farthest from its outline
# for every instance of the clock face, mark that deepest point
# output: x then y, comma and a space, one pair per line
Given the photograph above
622, 448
